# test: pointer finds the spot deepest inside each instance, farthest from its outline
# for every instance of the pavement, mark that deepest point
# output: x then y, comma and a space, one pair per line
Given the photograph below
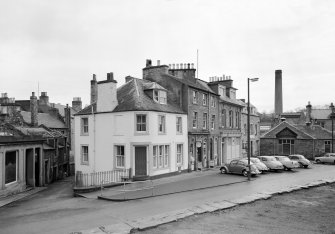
169, 185
16, 197
55, 210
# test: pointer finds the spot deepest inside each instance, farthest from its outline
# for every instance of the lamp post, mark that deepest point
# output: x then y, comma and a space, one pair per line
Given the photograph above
332, 117
248, 123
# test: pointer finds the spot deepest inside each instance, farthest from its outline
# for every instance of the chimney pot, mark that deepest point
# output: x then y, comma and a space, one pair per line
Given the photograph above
177, 65
188, 66
192, 65
181, 66
158, 62
148, 63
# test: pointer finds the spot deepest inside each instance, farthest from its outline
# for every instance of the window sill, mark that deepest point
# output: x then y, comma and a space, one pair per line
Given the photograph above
141, 133
84, 134
11, 183
84, 163
161, 133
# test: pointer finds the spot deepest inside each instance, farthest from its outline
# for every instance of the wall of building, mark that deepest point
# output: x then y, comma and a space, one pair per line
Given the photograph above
111, 129
20, 184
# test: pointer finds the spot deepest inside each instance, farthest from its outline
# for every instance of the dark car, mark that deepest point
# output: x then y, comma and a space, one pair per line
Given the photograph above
239, 166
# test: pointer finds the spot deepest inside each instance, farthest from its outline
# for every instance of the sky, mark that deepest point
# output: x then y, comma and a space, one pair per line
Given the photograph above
56, 46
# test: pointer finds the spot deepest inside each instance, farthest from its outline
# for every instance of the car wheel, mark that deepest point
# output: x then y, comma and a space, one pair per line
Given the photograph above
300, 164
305, 166
245, 173
318, 161
223, 170
285, 168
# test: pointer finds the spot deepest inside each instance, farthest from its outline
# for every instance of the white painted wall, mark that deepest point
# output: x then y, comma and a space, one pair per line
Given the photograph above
119, 129
107, 98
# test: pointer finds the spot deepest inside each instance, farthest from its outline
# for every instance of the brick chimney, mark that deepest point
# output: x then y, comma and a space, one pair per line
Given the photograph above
44, 99
107, 94
34, 110
278, 93
77, 104
94, 89
308, 114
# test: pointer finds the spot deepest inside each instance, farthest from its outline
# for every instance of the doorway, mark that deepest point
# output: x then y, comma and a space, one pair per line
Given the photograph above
140, 160
30, 168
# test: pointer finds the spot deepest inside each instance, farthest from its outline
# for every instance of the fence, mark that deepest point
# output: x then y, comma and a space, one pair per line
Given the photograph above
96, 179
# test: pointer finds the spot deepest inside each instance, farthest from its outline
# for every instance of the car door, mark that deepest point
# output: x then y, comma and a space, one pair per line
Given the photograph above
233, 167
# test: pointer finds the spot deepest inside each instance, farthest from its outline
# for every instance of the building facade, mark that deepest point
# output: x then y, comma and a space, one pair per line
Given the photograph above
214, 114
285, 139
254, 130
135, 126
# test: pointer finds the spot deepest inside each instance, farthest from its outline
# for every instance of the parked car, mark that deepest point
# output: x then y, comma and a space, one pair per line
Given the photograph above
272, 163
260, 166
239, 166
303, 162
326, 158
287, 163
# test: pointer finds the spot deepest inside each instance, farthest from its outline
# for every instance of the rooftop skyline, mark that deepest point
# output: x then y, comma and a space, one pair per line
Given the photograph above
57, 46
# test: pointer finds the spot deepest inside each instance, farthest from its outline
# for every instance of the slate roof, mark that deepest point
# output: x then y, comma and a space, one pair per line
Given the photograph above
303, 131
278, 128
198, 84
316, 131
46, 119
320, 113
131, 97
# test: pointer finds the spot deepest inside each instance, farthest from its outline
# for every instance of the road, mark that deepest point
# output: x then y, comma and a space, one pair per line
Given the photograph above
56, 211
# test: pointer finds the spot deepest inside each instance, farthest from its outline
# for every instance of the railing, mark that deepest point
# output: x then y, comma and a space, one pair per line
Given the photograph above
98, 179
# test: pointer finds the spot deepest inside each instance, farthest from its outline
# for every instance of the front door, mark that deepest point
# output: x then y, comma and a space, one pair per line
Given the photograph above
140, 160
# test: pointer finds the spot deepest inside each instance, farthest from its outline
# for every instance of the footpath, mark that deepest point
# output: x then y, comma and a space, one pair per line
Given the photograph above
7, 200
169, 185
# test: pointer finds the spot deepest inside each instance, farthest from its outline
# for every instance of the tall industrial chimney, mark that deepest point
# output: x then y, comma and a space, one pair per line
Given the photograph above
278, 93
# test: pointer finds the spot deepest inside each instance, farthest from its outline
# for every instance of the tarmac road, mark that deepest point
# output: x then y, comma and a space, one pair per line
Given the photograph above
55, 210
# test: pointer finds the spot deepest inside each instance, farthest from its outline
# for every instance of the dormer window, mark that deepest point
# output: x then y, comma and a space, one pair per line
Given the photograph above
156, 95
159, 96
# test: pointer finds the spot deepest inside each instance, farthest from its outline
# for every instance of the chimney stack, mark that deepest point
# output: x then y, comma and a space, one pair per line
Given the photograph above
278, 93
44, 99
107, 94
34, 110
77, 104
94, 89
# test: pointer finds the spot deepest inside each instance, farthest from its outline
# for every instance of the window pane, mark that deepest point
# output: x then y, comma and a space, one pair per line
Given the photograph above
10, 167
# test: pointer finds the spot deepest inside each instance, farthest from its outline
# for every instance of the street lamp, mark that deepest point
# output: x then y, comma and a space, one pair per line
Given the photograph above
332, 117
248, 123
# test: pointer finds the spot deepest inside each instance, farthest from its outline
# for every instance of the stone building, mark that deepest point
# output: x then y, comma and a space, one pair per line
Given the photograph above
214, 115
24, 116
254, 130
285, 139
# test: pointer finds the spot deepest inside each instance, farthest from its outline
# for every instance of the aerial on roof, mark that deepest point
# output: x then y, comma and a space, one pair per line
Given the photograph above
131, 97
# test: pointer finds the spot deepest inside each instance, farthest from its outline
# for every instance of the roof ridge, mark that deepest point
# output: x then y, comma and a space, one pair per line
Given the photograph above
138, 93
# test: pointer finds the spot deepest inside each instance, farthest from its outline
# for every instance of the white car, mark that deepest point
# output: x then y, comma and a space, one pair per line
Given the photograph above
304, 162
287, 163
326, 158
260, 166
271, 162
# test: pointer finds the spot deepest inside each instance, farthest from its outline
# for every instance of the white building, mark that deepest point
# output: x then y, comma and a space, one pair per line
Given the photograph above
134, 126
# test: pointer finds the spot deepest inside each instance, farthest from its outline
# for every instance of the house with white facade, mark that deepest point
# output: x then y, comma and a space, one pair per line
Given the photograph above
132, 127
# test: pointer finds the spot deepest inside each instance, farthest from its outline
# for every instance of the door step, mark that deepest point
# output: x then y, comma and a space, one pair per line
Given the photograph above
140, 178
